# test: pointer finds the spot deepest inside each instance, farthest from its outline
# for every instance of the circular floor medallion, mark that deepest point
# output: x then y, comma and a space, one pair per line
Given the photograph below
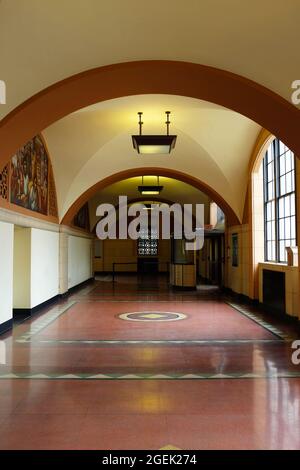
152, 316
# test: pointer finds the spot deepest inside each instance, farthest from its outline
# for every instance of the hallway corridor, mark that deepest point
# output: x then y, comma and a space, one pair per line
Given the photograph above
137, 366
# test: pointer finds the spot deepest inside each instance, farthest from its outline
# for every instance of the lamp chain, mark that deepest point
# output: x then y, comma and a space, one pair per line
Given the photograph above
140, 121
168, 122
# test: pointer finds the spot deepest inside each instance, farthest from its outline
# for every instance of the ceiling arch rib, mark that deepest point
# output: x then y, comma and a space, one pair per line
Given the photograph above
141, 200
174, 191
145, 77
232, 218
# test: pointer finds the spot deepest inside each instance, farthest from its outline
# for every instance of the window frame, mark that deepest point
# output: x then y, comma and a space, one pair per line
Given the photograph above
277, 197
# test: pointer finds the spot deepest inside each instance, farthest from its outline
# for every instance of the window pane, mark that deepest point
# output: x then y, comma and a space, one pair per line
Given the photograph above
270, 191
282, 185
270, 251
281, 251
281, 229
273, 251
269, 154
288, 162
292, 200
287, 211
293, 181
281, 208
270, 171
289, 182
269, 230
282, 148
287, 228
282, 165
292, 160
270, 211
293, 227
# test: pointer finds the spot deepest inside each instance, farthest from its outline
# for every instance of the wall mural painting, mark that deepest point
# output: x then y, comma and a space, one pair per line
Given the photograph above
4, 182
29, 177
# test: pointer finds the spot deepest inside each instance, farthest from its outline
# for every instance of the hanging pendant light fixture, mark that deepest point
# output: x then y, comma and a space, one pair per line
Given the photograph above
150, 190
154, 144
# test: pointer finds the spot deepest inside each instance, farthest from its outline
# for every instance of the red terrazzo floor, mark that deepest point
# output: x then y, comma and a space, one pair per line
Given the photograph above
233, 413
92, 320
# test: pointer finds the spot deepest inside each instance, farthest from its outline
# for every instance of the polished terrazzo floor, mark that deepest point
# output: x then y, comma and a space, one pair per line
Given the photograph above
82, 375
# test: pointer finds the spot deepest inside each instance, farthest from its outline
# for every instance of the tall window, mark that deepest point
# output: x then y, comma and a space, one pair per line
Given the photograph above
279, 201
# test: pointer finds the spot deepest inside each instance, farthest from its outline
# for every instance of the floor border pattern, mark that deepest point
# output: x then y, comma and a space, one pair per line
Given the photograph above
173, 376
247, 313
42, 323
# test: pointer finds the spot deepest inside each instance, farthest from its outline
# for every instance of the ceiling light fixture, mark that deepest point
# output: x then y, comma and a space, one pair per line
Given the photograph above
150, 190
154, 144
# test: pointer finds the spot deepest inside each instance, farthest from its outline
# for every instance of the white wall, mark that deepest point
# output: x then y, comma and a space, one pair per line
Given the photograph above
6, 271
44, 266
35, 263
79, 260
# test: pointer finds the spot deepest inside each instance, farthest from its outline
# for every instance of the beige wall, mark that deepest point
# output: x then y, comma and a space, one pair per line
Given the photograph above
237, 278
36, 266
119, 251
22, 268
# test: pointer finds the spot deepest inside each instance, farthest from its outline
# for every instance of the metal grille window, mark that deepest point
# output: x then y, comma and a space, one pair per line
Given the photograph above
279, 201
148, 244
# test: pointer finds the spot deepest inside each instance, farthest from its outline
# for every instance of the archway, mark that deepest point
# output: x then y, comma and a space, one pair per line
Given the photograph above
143, 77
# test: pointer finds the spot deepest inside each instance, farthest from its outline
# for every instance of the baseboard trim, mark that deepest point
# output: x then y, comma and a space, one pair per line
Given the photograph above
77, 287
23, 312
6, 326
261, 306
240, 297
275, 313
130, 273
183, 288
27, 312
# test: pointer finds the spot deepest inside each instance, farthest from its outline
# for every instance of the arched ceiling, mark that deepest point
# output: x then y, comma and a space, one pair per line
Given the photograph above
173, 191
42, 42
214, 144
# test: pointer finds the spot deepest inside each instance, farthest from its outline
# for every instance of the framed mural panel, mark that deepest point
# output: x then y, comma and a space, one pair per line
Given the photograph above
29, 177
81, 219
